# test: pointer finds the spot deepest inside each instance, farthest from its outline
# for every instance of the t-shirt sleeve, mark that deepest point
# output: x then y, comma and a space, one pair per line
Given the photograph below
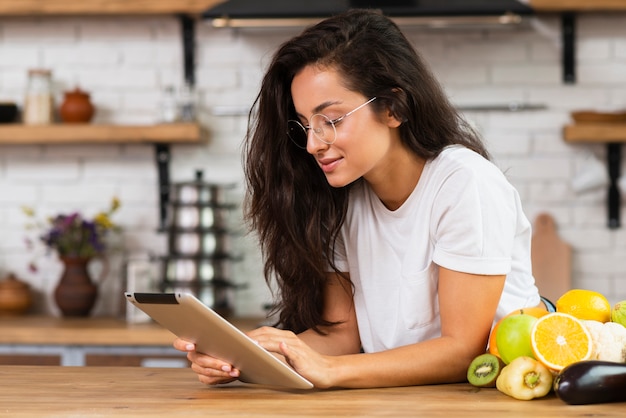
474, 221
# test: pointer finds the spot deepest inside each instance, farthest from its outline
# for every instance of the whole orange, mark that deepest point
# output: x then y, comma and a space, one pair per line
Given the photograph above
585, 304
534, 311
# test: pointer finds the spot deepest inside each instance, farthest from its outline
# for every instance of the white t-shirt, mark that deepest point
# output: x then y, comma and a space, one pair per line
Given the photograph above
463, 215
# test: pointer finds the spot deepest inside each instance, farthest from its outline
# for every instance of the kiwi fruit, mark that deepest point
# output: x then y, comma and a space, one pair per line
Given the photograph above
484, 370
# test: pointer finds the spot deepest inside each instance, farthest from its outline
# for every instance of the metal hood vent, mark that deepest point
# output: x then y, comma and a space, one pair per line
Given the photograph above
428, 13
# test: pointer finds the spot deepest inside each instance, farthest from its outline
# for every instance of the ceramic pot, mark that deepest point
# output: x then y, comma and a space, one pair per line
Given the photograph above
76, 293
15, 296
76, 107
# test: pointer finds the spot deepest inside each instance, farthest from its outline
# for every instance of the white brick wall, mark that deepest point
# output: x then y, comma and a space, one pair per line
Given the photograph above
125, 62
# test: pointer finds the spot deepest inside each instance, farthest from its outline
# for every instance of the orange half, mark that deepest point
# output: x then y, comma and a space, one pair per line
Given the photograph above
559, 339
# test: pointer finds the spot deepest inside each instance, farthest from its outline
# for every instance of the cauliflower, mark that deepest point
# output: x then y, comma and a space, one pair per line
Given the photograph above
609, 341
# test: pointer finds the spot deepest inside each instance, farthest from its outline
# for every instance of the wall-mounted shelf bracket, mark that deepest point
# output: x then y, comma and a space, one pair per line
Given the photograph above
162, 151
163, 157
568, 34
614, 161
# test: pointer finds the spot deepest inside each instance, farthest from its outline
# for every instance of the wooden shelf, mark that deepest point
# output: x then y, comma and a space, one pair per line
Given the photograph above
595, 132
577, 5
103, 7
17, 134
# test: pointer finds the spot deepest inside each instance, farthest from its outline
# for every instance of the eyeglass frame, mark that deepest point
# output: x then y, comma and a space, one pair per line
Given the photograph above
332, 123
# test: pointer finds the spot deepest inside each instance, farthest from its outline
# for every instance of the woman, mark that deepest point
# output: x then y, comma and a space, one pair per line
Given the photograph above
394, 243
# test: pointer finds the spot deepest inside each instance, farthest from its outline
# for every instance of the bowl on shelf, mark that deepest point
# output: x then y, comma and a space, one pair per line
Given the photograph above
8, 112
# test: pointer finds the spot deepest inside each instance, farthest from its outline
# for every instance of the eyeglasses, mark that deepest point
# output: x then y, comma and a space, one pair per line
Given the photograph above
323, 127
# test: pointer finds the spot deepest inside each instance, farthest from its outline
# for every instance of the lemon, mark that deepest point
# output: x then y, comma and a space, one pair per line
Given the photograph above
585, 304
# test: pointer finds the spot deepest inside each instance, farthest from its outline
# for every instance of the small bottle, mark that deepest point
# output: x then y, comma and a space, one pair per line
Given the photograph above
39, 102
168, 111
187, 103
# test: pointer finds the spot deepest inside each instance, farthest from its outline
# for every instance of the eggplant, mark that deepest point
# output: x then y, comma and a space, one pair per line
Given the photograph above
590, 382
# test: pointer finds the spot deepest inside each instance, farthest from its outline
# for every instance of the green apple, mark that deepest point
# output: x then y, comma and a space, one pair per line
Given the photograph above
513, 337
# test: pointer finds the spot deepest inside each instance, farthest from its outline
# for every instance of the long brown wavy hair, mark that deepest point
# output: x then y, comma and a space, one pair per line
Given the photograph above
289, 203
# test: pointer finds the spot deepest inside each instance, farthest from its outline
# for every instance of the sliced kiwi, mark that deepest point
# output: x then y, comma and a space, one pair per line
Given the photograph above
484, 370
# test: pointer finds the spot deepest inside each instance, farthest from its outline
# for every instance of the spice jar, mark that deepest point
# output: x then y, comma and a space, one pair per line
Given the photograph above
38, 105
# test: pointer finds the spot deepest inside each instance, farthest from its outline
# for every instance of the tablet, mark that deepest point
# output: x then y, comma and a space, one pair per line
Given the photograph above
190, 319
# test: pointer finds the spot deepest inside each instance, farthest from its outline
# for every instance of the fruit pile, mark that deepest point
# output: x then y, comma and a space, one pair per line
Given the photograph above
532, 351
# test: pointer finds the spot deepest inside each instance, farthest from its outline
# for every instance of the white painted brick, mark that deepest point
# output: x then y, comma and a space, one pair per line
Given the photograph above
593, 50
16, 152
15, 195
550, 142
80, 55
506, 142
550, 192
535, 168
38, 31
81, 151
590, 239
499, 52
602, 74
117, 29
545, 52
620, 49
569, 97
77, 195
608, 25
217, 79
50, 170
546, 121
477, 74
526, 74
127, 78
485, 95
125, 169
12, 56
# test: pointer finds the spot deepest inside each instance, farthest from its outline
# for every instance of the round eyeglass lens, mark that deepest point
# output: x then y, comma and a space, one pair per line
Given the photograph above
297, 133
323, 128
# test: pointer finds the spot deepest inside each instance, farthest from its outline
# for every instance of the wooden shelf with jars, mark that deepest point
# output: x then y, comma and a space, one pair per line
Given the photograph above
169, 133
103, 7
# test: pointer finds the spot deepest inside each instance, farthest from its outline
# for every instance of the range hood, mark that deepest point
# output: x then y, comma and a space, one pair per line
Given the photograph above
430, 13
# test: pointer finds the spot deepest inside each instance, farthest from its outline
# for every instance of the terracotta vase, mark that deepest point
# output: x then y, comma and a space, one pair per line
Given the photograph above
76, 293
76, 107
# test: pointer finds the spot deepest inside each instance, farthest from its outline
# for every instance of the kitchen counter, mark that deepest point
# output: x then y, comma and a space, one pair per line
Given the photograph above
131, 391
90, 341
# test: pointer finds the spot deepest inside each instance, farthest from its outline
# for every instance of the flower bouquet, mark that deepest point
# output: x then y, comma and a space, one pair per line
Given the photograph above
76, 240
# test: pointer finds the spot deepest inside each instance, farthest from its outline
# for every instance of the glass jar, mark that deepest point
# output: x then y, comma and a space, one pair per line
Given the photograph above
39, 104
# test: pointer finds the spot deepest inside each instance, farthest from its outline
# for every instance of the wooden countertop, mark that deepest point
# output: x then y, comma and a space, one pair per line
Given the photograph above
39, 330
39, 391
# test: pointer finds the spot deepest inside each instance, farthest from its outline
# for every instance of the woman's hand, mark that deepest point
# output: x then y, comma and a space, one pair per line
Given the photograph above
310, 364
210, 370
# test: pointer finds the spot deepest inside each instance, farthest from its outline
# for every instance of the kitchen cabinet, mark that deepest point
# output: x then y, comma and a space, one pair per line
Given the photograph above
103, 7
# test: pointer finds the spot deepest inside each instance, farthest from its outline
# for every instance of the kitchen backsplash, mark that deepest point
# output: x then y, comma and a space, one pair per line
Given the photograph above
126, 63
